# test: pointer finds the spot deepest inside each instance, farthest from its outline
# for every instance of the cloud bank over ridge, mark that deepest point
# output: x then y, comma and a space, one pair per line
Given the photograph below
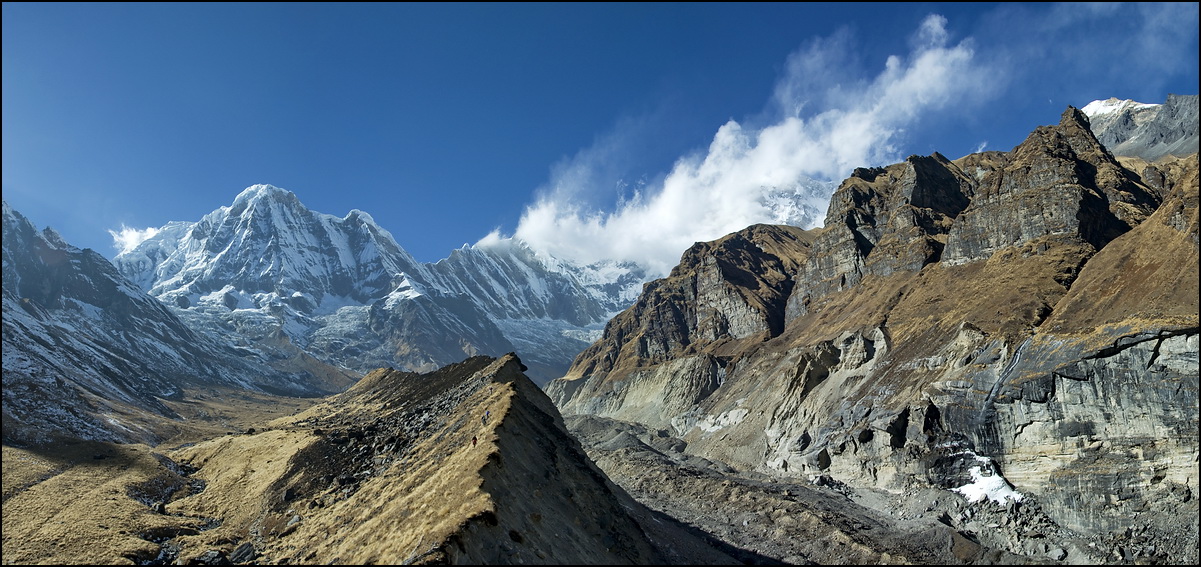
824, 123
128, 238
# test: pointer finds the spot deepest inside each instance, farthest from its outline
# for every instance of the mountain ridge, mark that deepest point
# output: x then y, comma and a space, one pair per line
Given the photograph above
948, 371
268, 265
86, 353
1148, 131
467, 464
923, 338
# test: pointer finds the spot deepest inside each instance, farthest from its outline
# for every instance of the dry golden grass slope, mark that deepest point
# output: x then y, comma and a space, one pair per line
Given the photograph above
385, 473
81, 502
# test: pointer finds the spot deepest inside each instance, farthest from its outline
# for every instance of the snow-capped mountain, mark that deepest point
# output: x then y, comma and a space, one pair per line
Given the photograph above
802, 204
268, 249
1149, 131
342, 289
84, 345
491, 275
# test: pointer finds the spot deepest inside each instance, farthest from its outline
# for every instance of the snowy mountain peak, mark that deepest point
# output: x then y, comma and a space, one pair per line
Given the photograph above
271, 267
1149, 131
363, 216
1113, 105
263, 248
261, 197
261, 191
80, 337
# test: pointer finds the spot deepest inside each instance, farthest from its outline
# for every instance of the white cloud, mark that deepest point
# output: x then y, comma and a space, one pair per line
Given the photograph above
829, 123
129, 238
596, 172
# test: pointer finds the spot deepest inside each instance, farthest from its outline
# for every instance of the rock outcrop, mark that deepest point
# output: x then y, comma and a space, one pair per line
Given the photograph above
821, 521
669, 350
1023, 320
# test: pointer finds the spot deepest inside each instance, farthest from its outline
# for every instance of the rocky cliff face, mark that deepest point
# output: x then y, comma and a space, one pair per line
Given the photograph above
674, 340
1026, 320
1148, 131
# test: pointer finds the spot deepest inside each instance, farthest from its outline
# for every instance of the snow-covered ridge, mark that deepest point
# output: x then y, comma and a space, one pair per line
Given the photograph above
1149, 131
338, 286
268, 243
79, 337
1113, 105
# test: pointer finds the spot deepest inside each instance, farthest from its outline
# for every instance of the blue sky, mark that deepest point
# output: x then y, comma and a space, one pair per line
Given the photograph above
576, 126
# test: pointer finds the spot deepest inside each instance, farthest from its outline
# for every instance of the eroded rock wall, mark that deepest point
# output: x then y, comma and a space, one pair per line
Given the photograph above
1026, 319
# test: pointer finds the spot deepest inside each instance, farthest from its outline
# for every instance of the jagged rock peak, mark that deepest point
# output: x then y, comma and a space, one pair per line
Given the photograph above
726, 292
10, 215
1068, 142
1074, 125
17, 226
868, 174
1060, 183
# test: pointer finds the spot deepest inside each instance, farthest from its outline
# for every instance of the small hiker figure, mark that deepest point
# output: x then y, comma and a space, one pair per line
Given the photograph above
485, 418
473, 440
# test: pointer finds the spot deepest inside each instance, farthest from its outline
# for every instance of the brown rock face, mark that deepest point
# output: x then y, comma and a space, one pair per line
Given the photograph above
903, 210
1031, 314
1059, 182
722, 296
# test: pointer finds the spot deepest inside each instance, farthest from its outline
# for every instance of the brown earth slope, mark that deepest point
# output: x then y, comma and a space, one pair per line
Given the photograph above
468, 464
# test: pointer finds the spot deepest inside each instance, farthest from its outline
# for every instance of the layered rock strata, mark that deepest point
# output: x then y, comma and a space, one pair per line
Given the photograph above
1026, 319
